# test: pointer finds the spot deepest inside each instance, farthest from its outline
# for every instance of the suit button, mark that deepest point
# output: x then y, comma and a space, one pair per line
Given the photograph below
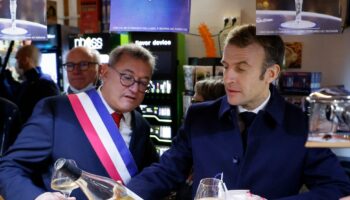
235, 160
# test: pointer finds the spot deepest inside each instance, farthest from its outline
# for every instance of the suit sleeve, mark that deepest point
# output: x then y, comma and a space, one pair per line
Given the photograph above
161, 178
323, 176
28, 156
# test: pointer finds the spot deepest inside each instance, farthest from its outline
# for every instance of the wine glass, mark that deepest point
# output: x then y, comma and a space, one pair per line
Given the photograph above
211, 189
13, 30
61, 181
298, 23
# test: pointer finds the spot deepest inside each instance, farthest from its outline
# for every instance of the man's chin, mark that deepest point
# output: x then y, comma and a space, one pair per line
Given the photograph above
234, 102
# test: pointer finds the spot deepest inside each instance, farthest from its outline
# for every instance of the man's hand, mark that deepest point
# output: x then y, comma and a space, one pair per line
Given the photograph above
53, 196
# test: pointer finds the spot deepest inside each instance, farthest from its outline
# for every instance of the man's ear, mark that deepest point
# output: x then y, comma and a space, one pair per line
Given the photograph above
272, 73
103, 70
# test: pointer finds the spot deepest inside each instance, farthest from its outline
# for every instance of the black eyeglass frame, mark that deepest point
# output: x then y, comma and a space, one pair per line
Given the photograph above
128, 77
83, 65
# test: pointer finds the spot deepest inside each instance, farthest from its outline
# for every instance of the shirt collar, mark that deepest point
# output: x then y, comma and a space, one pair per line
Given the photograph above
274, 106
88, 87
257, 109
126, 116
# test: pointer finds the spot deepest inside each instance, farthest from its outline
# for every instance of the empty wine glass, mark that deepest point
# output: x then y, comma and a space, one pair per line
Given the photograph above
61, 182
211, 189
298, 23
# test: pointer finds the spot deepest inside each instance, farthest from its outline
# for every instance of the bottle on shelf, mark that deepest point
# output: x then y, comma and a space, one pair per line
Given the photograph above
95, 187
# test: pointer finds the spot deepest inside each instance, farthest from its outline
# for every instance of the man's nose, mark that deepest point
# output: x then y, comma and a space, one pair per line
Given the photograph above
134, 87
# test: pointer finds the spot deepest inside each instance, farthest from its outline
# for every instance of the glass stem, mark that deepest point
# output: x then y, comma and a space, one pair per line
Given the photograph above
298, 9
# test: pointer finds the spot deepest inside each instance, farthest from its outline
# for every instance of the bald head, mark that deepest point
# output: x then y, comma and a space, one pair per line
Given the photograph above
28, 57
81, 78
91, 53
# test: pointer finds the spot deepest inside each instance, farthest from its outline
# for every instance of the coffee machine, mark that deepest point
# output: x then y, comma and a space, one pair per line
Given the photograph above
329, 117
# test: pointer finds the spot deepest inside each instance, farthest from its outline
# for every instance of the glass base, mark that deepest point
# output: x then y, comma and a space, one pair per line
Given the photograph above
14, 31
298, 24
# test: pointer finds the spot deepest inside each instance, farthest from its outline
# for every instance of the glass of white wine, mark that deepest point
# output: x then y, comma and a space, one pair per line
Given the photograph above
211, 189
61, 182
298, 22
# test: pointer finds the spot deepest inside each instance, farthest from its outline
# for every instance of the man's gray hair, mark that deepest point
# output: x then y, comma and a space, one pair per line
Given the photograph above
133, 50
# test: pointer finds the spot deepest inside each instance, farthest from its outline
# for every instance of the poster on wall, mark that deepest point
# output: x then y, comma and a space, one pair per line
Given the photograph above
150, 15
293, 53
51, 12
21, 20
298, 17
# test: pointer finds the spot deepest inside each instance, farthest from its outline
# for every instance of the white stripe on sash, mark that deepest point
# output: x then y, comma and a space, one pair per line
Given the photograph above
104, 136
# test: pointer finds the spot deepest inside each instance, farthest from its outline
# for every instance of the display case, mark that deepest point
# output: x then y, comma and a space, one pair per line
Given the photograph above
160, 103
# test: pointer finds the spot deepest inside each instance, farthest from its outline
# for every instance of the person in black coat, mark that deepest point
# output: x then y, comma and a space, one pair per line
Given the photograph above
10, 124
36, 85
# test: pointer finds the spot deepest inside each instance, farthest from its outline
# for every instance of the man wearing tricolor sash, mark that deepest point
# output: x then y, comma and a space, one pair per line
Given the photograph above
99, 129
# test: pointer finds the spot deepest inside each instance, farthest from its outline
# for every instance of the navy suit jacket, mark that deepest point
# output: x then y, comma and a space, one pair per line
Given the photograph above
275, 164
54, 132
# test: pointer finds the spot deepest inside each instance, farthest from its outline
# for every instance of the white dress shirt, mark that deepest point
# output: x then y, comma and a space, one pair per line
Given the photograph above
125, 123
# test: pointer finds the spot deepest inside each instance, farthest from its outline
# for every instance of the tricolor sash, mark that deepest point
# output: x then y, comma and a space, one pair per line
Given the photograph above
104, 135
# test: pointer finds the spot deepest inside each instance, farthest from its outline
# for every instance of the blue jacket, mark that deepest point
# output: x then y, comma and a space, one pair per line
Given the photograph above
54, 132
275, 165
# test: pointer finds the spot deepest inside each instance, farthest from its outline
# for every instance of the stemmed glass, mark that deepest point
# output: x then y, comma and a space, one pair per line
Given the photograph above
298, 23
61, 182
211, 189
13, 30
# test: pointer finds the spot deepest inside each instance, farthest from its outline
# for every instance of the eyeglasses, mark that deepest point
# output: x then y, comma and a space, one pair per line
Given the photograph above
127, 80
83, 66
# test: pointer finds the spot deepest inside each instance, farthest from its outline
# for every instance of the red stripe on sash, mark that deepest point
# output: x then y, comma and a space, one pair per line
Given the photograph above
91, 134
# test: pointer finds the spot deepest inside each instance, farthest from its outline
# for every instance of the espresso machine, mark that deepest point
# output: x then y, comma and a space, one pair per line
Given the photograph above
329, 117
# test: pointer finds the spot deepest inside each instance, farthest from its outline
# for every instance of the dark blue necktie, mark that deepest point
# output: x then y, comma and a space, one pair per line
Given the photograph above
247, 119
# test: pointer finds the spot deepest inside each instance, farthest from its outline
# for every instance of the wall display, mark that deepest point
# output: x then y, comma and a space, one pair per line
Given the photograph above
49, 66
104, 43
297, 17
150, 15
293, 55
160, 105
23, 20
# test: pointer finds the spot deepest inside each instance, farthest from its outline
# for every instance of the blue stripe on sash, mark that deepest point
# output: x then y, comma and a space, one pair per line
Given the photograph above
113, 131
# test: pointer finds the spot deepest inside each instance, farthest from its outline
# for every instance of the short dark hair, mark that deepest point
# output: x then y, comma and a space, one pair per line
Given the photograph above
210, 89
273, 45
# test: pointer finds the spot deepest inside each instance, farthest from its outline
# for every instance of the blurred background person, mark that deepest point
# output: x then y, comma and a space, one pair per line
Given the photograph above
208, 89
204, 90
10, 124
36, 85
82, 66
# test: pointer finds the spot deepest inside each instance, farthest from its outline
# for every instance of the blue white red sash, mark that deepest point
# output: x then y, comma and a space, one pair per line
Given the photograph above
103, 135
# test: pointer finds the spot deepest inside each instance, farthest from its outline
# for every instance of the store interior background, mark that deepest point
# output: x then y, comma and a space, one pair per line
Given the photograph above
328, 54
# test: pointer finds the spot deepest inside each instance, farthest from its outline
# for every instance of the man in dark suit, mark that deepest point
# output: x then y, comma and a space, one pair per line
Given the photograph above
81, 127
86, 76
36, 85
266, 155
